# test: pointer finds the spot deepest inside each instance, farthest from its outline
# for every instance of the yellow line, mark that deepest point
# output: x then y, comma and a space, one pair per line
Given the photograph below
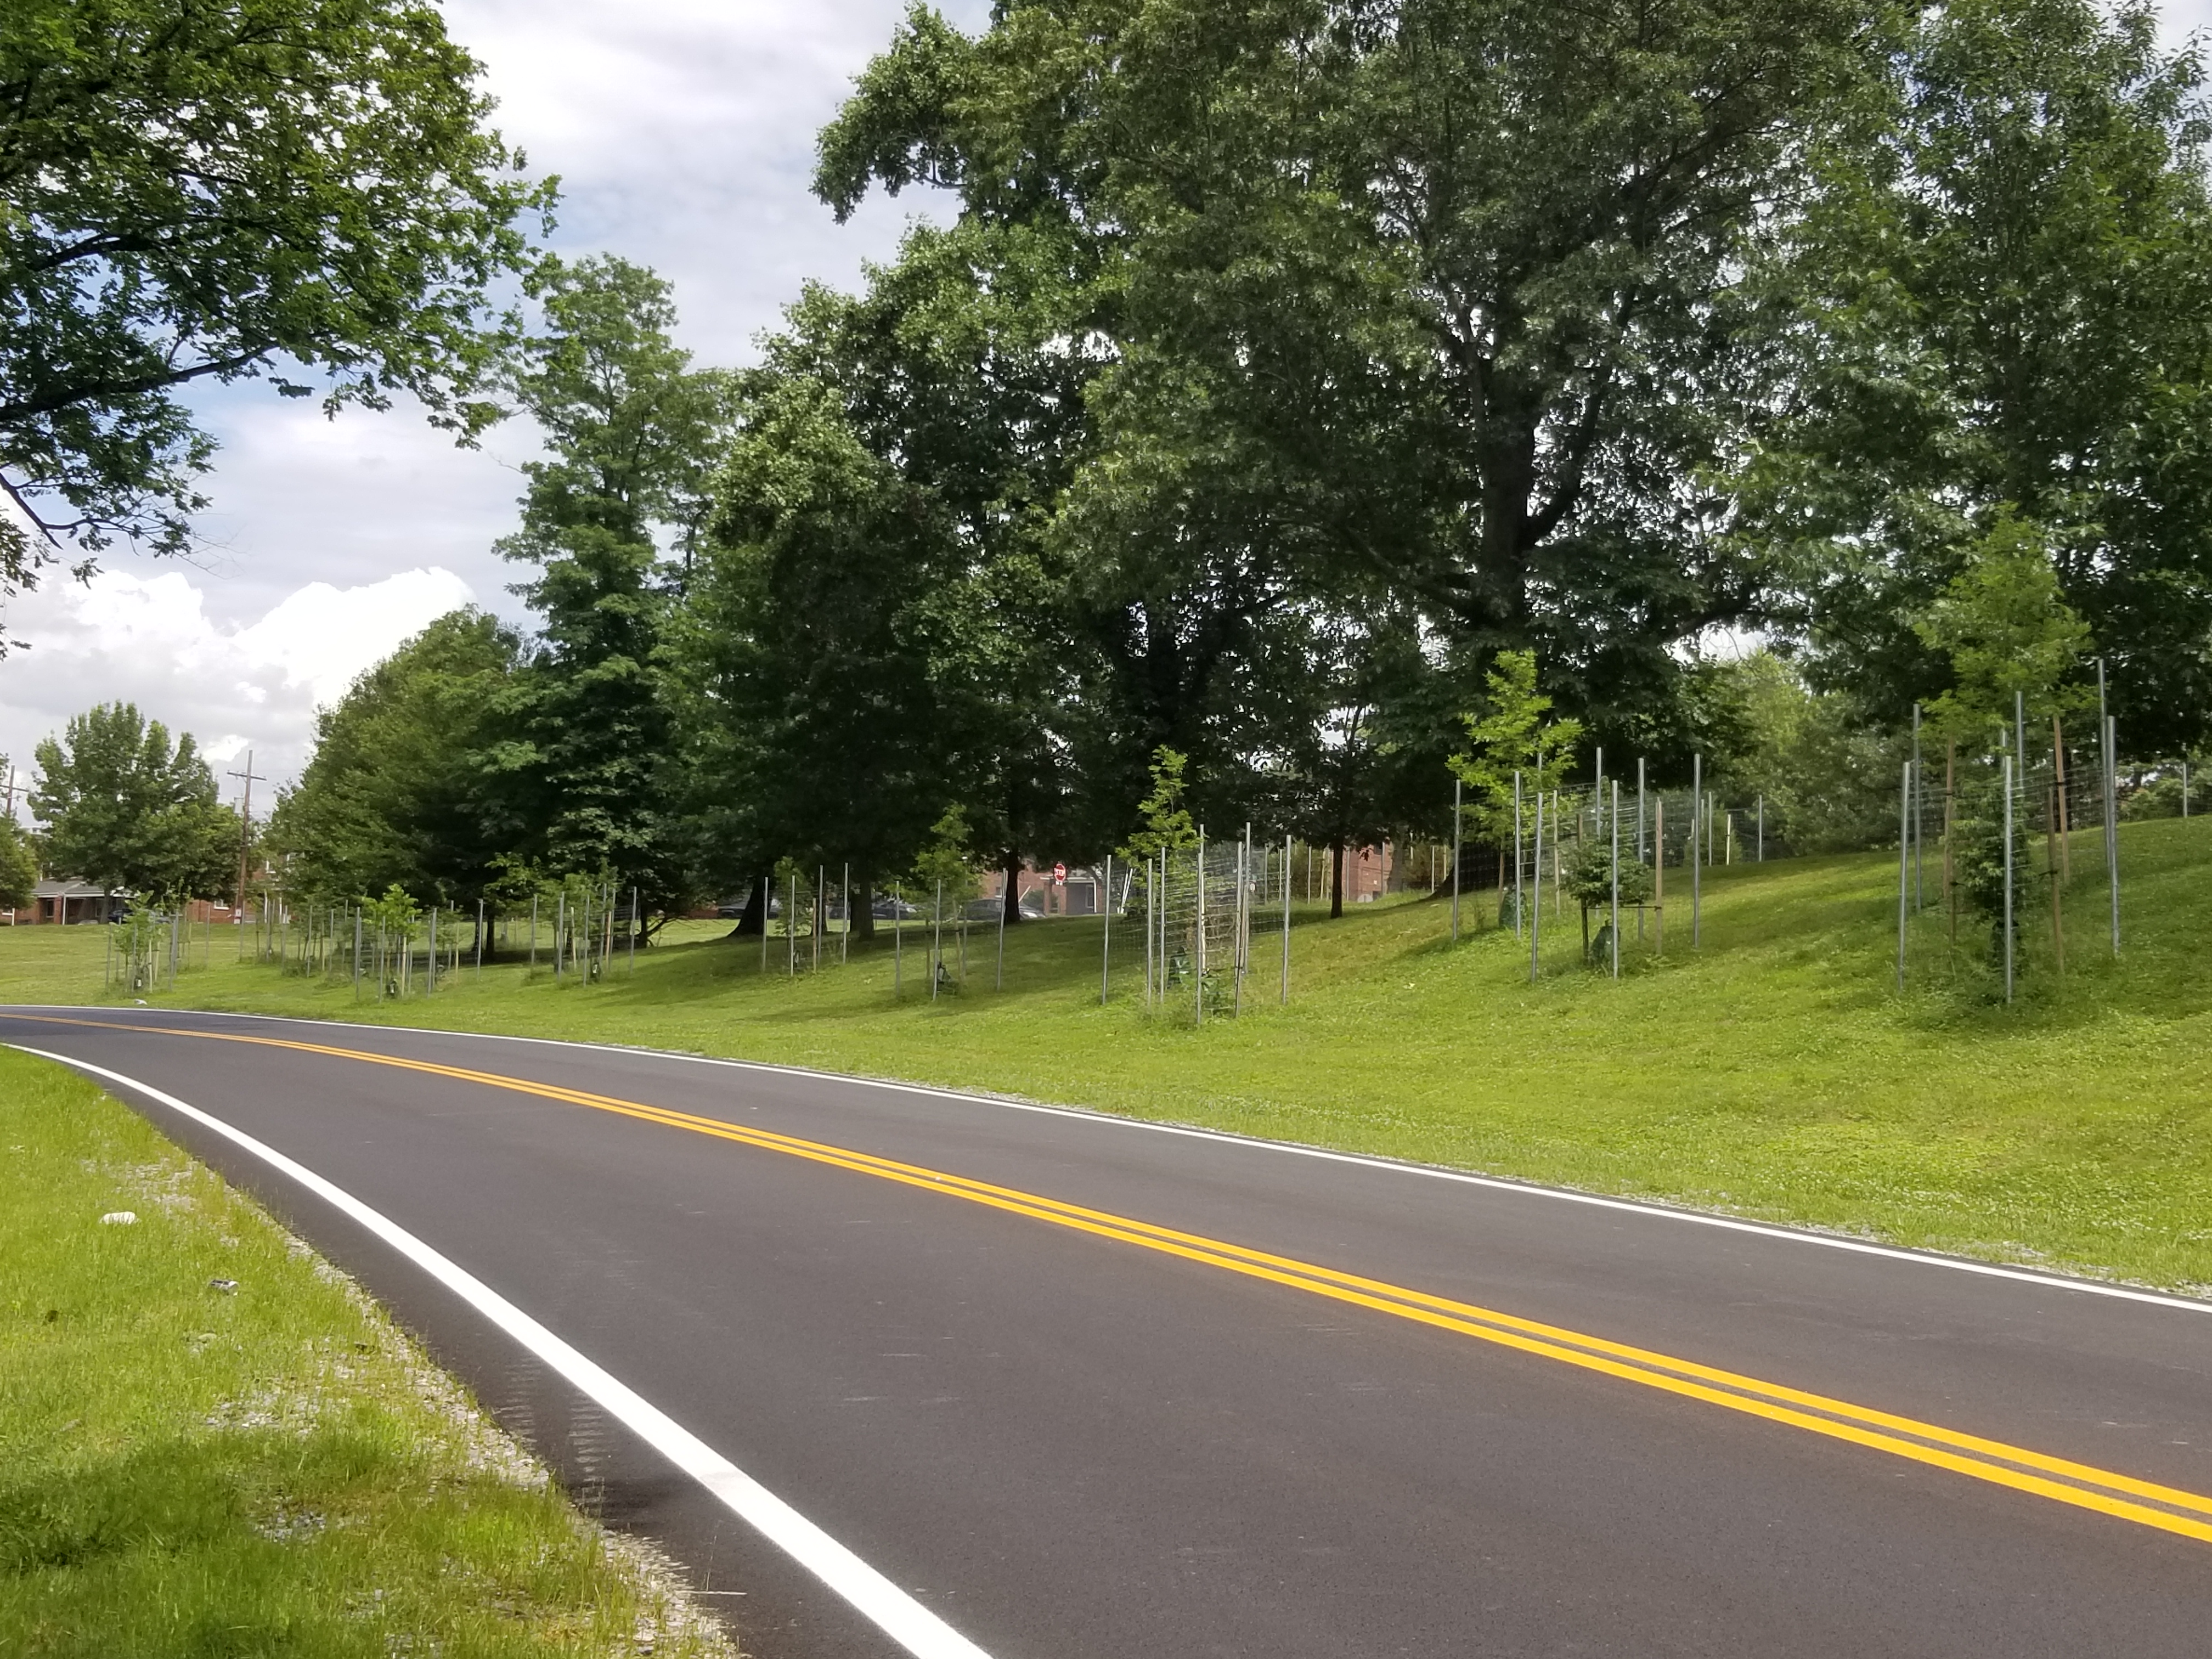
1963, 1454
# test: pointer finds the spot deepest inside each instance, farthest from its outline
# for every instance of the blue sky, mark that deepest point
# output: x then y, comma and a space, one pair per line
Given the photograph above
683, 131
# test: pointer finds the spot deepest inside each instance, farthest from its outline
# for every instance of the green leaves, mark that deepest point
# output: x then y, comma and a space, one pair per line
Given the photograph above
19, 867
305, 190
881, 623
944, 874
1510, 739
2007, 632
1167, 826
2004, 285
397, 792
897, 126
590, 775
130, 812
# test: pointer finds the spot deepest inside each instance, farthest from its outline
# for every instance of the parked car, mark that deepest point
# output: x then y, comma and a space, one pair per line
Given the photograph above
730, 909
987, 909
887, 908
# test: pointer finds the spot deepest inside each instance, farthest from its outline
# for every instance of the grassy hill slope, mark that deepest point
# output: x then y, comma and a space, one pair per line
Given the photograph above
1774, 1071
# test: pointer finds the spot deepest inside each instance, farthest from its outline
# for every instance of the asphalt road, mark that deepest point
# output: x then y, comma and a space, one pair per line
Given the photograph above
1081, 1388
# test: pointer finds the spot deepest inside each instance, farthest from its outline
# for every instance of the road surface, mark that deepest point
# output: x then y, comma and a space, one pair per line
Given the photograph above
899, 1370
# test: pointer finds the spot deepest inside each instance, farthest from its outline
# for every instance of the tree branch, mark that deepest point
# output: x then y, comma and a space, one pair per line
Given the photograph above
30, 409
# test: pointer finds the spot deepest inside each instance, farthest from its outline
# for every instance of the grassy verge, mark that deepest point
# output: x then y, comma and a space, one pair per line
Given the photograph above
1775, 1071
211, 1443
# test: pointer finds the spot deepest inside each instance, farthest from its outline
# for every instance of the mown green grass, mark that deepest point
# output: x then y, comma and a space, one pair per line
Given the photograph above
1775, 1071
187, 1470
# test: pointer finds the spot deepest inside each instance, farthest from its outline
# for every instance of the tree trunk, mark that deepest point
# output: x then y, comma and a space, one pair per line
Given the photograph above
752, 921
861, 916
1010, 902
1336, 881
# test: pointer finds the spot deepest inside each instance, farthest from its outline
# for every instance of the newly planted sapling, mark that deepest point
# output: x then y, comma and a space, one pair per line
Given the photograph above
1589, 882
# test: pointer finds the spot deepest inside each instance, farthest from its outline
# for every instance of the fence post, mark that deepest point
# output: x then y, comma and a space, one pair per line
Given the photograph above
1286, 921
1919, 819
1950, 819
1105, 929
1198, 952
937, 944
2054, 842
1536, 920
1152, 922
2112, 824
1697, 813
1904, 863
635, 921
2008, 761
1616, 878
845, 895
898, 936
1519, 903
1559, 866
1236, 929
998, 974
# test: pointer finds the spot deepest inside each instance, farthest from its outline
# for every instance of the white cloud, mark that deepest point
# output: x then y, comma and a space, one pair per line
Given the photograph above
149, 640
683, 131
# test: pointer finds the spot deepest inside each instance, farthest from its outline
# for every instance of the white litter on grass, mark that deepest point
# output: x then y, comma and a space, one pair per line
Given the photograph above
119, 1218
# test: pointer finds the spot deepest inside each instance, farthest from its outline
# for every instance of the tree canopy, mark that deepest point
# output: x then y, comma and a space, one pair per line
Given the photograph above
397, 792
1338, 394
131, 811
303, 190
587, 772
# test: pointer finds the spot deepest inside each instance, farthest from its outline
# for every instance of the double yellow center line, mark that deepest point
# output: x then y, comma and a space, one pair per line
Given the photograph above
2144, 1502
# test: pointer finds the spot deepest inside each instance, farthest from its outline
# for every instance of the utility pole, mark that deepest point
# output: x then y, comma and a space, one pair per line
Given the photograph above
248, 777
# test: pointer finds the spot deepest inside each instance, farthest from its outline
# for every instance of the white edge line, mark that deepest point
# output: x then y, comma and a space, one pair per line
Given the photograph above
892, 1611
1394, 1166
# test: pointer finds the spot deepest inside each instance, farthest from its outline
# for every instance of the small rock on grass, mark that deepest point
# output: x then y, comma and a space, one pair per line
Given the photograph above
119, 1218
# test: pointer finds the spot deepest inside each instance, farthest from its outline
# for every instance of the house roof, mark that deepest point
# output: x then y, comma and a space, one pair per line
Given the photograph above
66, 887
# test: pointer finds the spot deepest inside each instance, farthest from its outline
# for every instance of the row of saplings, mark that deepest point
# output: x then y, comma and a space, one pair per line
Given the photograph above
1975, 876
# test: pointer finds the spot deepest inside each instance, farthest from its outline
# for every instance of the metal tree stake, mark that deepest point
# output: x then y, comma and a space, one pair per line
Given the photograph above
1697, 893
1616, 878
1536, 919
2008, 874
1904, 861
